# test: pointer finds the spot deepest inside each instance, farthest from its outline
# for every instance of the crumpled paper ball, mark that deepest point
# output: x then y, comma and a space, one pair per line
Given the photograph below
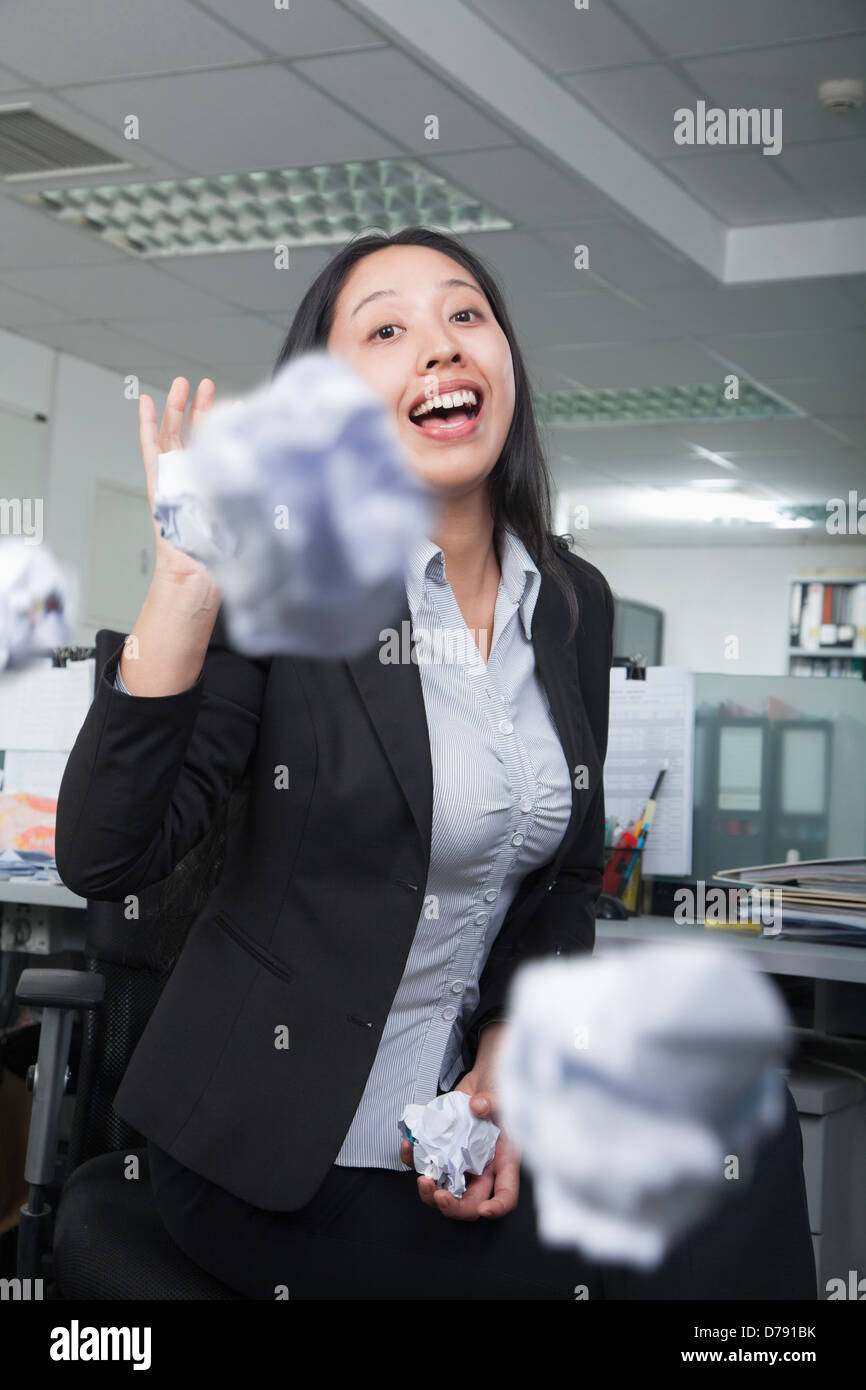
627, 1082
448, 1141
38, 600
298, 500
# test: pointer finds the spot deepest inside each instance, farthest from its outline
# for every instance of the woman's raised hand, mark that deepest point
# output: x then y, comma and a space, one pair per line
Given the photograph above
172, 564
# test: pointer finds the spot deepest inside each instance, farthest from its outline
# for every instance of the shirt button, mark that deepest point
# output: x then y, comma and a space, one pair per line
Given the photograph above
449, 1013
517, 839
491, 895
526, 803
458, 987
481, 919
506, 726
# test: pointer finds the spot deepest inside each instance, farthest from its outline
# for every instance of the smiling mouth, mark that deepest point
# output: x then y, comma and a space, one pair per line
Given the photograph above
451, 409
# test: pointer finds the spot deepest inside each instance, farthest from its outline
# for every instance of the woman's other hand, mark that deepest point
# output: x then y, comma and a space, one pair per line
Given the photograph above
494, 1192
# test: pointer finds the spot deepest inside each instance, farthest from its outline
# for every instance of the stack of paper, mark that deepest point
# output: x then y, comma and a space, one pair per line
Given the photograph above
822, 899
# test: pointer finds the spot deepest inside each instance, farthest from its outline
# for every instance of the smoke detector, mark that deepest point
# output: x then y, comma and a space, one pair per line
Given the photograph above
841, 94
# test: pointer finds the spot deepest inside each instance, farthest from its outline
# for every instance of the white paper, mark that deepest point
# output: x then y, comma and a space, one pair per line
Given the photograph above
448, 1141
38, 601
35, 774
652, 721
44, 706
628, 1082
299, 501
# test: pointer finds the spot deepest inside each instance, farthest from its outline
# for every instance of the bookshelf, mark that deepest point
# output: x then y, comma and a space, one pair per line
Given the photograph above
827, 625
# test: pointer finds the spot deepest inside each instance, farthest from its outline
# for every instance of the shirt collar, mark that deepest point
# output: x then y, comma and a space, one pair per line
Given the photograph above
521, 579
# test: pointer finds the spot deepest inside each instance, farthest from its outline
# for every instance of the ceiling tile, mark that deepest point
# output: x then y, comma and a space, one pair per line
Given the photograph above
131, 291
753, 309
627, 257
736, 437
85, 43
518, 259
526, 189
597, 316
248, 279
743, 187
95, 342
413, 94
807, 477
194, 118
30, 238
562, 38
681, 26
11, 81
836, 395
829, 353
238, 377
834, 175
598, 443
661, 472
232, 338
787, 76
852, 427
614, 365
638, 102
21, 311
308, 26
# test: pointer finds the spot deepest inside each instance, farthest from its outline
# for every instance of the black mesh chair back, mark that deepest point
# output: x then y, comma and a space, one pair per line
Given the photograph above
136, 957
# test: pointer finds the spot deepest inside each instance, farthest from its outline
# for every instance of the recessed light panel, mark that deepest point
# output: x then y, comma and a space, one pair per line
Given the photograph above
314, 206
658, 405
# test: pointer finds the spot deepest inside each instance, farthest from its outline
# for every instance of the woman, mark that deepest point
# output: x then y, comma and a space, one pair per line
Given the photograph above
442, 822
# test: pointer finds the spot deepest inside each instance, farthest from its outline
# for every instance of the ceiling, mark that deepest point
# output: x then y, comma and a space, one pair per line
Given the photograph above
702, 261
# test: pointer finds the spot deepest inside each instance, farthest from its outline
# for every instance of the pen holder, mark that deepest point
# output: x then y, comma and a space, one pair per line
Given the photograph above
626, 889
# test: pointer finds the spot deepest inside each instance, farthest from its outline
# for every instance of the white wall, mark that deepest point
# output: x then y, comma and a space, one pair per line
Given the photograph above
710, 593
92, 444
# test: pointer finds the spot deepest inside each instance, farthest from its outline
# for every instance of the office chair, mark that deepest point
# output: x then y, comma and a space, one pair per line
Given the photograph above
87, 1230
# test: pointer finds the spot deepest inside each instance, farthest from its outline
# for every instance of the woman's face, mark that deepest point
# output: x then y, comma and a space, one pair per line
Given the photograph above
414, 334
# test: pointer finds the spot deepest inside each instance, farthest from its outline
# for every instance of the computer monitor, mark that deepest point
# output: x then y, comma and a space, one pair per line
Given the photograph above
637, 628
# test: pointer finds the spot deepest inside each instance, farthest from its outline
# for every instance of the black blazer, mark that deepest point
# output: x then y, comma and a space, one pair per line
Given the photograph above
311, 922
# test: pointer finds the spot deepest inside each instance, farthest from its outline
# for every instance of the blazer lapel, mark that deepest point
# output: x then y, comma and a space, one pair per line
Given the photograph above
394, 699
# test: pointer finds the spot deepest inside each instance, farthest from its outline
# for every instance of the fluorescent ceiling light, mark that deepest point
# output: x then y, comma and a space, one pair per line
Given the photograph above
660, 404
683, 504
314, 206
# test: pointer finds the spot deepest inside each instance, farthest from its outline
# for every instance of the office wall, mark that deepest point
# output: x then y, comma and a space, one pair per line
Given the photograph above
92, 483
711, 593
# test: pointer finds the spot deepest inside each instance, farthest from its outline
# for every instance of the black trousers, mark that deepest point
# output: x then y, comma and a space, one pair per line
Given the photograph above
366, 1234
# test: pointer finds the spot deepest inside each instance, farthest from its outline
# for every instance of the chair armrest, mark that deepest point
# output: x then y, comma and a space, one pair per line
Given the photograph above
61, 989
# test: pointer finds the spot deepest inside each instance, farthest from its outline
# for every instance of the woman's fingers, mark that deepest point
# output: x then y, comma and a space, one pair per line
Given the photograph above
465, 1208
149, 436
172, 416
202, 403
506, 1191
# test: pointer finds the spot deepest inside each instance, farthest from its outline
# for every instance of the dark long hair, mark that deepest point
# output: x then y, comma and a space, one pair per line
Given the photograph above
519, 482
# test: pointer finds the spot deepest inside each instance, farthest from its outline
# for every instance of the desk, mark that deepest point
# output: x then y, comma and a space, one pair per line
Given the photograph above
775, 956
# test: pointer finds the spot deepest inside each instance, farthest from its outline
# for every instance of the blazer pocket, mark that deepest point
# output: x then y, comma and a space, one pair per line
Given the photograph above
261, 954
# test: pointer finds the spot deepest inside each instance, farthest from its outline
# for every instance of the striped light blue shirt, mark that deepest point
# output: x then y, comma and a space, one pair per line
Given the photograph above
501, 804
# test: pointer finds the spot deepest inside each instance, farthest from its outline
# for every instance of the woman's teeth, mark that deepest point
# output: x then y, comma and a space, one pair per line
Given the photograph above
453, 400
